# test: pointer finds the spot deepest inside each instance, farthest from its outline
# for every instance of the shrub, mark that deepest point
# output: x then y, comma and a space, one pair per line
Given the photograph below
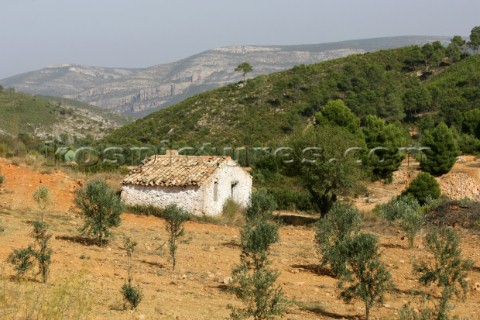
287, 199
42, 197
44, 253
131, 294
367, 276
332, 231
261, 206
100, 208
256, 238
175, 217
423, 187
448, 269
411, 223
2, 179
253, 282
146, 210
407, 312
395, 209
233, 213
22, 260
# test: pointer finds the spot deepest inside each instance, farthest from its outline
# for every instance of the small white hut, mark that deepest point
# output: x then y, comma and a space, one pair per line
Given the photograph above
199, 184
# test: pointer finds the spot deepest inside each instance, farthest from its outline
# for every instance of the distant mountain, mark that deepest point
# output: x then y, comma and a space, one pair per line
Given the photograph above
52, 117
138, 92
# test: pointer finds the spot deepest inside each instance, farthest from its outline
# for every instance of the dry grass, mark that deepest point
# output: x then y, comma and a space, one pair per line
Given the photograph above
67, 299
233, 214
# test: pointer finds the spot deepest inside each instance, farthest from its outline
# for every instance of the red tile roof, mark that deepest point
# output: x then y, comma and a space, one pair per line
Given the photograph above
174, 170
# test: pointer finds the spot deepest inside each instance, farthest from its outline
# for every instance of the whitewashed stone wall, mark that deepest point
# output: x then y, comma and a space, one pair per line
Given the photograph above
189, 198
197, 200
225, 176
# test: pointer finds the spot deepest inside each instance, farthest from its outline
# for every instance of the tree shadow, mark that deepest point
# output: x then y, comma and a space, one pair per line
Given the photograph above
232, 244
315, 268
223, 287
475, 269
328, 314
413, 292
15, 278
296, 220
83, 240
153, 264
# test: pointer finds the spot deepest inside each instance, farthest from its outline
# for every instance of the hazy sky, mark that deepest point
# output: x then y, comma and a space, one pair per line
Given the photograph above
141, 33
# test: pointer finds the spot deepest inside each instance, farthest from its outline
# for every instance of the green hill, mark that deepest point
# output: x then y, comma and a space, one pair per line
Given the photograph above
52, 117
397, 85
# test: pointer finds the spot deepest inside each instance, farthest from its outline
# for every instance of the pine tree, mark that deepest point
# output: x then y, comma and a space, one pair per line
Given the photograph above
388, 138
443, 151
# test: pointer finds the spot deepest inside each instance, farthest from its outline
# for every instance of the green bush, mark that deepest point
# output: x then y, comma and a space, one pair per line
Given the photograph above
100, 207
395, 209
175, 218
233, 213
367, 277
407, 312
253, 282
448, 270
2, 179
22, 260
44, 253
288, 199
145, 210
261, 205
43, 198
131, 294
423, 187
341, 222
411, 223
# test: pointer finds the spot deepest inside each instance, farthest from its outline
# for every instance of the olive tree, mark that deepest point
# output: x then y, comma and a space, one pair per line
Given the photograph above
447, 270
175, 218
253, 281
322, 162
367, 278
100, 207
341, 223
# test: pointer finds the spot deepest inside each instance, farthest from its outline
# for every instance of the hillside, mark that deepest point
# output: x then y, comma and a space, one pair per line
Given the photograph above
396, 85
85, 280
138, 92
52, 117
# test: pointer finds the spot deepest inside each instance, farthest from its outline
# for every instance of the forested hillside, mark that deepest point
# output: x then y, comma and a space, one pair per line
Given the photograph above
396, 85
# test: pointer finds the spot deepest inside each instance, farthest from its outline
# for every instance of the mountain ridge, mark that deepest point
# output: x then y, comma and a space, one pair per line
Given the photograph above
140, 91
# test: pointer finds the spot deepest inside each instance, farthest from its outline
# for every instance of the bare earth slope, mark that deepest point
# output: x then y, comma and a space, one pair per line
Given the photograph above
196, 290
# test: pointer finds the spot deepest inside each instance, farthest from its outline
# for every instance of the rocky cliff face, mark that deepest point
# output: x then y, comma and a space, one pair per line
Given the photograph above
137, 92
